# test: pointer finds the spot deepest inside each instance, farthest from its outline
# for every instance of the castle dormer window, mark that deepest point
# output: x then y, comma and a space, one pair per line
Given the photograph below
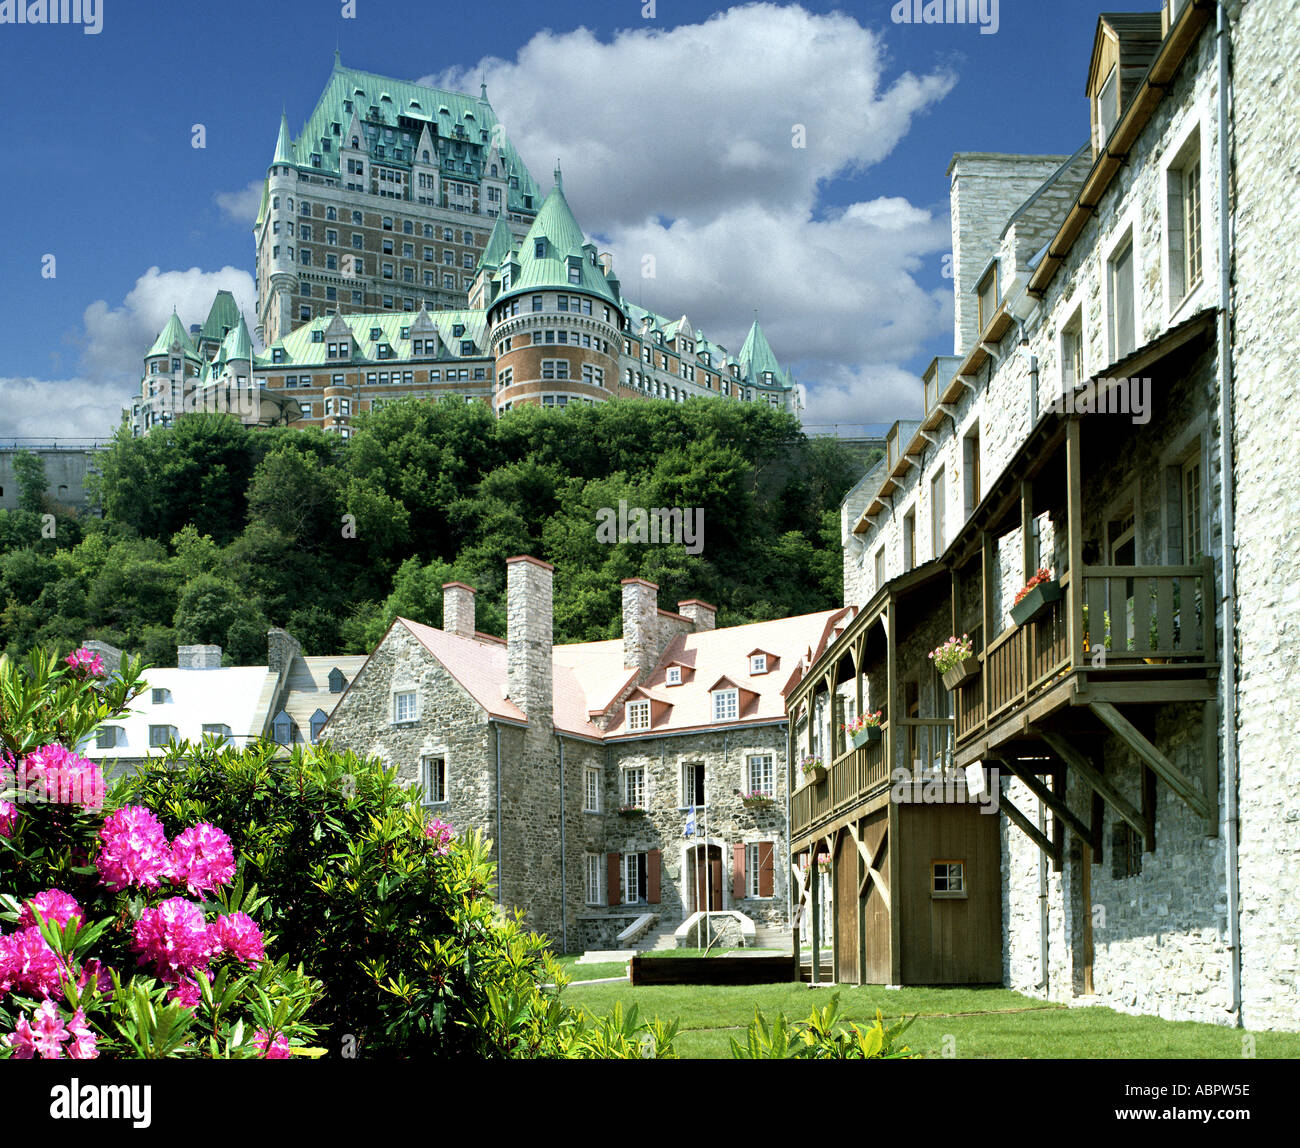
337, 681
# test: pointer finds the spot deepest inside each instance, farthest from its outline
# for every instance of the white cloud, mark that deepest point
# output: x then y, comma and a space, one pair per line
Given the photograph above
678, 143
241, 206
112, 342
61, 409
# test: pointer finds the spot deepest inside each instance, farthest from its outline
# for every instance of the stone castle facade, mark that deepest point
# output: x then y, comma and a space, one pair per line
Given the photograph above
625, 784
1115, 412
403, 250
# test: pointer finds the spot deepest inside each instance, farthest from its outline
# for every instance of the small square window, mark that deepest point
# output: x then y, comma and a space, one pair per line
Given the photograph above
638, 715
948, 879
404, 706
674, 677
758, 663
726, 705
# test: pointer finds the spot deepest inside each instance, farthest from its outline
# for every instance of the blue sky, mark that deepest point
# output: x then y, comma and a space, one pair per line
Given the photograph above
675, 134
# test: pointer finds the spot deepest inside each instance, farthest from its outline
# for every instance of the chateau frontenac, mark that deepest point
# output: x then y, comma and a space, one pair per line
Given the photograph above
404, 250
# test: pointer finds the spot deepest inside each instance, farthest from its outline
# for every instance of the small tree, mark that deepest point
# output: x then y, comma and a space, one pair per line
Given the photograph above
29, 472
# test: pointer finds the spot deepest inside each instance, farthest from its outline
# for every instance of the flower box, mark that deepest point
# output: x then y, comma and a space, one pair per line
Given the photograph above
1036, 602
866, 734
962, 672
816, 773
760, 801
631, 811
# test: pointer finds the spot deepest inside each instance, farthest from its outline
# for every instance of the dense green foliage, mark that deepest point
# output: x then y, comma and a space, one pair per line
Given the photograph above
213, 532
823, 1036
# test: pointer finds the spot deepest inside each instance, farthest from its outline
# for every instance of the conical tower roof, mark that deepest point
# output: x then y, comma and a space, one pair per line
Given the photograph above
757, 356
237, 344
172, 334
500, 243
223, 316
284, 151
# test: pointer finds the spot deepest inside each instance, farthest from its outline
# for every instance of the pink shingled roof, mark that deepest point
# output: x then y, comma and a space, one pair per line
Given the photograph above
589, 676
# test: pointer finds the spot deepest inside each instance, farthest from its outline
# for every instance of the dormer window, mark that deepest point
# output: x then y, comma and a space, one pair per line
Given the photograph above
638, 716
758, 663
282, 729
539, 248
674, 677
338, 681
987, 293
318, 720
1107, 108
726, 705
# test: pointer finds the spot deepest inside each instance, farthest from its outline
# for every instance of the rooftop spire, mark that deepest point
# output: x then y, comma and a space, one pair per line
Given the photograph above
283, 144
559, 177
482, 90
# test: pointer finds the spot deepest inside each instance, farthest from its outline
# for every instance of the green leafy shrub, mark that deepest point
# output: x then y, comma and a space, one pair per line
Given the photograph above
823, 1036
90, 898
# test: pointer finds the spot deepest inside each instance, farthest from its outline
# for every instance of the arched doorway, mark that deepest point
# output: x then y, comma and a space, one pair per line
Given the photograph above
704, 878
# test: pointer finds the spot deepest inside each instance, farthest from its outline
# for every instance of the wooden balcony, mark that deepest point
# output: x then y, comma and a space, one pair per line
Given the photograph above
1144, 634
860, 776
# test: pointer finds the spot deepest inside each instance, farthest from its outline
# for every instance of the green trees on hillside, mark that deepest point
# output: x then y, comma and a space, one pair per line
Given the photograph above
213, 532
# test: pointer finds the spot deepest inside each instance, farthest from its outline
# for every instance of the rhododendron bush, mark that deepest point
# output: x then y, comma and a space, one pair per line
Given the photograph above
173, 913
114, 939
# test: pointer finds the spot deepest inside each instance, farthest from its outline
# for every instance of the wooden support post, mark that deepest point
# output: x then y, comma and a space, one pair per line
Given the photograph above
1074, 527
1085, 895
1029, 562
1026, 826
814, 909
832, 848
1149, 808
1055, 803
862, 870
1138, 743
1098, 821
893, 843
1058, 826
987, 577
1092, 775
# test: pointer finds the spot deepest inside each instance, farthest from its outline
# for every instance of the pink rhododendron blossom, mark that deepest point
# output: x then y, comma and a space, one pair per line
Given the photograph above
54, 773
186, 993
52, 905
441, 834
202, 859
239, 936
83, 1040
85, 664
277, 1049
174, 938
29, 965
45, 1037
135, 849
8, 818
93, 968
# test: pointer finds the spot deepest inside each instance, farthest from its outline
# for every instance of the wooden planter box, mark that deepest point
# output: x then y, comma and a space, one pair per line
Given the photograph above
863, 736
814, 775
1036, 602
962, 672
631, 812
757, 802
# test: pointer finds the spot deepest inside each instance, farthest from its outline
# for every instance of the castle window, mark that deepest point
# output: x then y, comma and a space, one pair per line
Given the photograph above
760, 868
760, 778
634, 787
592, 869
726, 705
674, 676
948, 879
591, 790
692, 784
635, 878
758, 664
404, 706
433, 778
638, 716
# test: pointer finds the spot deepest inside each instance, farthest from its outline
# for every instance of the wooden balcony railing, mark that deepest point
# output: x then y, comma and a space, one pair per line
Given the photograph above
1130, 618
849, 779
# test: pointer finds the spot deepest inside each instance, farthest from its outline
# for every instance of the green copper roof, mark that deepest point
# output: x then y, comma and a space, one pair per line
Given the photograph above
223, 317
237, 344
403, 108
756, 356
283, 145
299, 349
261, 209
173, 334
500, 243
545, 255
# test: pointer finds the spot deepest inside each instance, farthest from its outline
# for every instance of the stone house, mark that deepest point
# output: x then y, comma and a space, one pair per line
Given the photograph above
1114, 413
626, 784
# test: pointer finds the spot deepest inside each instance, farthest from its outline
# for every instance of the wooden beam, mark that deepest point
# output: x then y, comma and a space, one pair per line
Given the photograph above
892, 841
1149, 808
1074, 528
1089, 772
1048, 798
988, 574
1025, 825
1137, 742
872, 873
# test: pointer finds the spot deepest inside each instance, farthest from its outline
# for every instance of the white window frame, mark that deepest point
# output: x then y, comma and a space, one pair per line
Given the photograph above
766, 775
591, 790
634, 786
751, 870
673, 676
400, 701
938, 513
688, 769
638, 716
1126, 232
1194, 134
594, 872
633, 894
757, 664
725, 704
426, 760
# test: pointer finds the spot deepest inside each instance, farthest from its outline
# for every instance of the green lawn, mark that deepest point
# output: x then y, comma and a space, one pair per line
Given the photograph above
970, 1023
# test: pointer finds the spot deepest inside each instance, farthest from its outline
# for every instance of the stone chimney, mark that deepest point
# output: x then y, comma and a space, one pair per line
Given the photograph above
702, 615
640, 625
458, 609
198, 657
111, 656
529, 639
281, 649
